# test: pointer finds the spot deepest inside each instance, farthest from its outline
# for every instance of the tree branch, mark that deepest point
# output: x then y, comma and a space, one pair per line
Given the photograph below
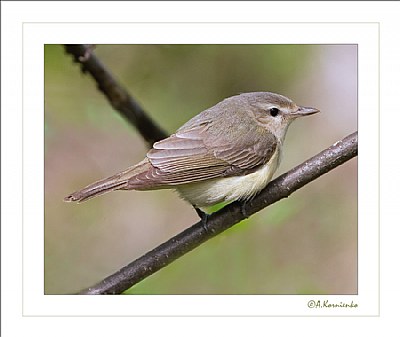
115, 93
280, 188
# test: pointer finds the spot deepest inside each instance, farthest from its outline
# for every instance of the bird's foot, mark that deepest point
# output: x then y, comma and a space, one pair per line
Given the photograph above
243, 209
203, 216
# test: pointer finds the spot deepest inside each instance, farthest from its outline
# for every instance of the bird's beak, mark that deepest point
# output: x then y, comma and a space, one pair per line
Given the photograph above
304, 111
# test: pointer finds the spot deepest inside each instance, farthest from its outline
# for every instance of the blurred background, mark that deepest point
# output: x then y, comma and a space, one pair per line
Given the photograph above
305, 244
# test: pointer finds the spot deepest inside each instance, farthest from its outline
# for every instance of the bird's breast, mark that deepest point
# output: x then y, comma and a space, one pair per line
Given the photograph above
228, 189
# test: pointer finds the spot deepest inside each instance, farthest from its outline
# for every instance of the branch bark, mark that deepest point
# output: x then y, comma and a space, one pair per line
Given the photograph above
115, 93
280, 188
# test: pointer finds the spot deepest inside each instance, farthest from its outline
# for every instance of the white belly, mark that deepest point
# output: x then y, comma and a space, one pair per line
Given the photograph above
210, 192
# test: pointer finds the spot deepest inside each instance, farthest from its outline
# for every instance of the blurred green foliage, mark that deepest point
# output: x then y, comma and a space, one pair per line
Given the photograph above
174, 82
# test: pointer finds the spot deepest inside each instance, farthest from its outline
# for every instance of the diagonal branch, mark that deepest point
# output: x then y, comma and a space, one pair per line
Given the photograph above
280, 188
115, 93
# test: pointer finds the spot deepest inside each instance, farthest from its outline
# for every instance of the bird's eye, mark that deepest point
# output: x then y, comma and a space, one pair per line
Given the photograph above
274, 112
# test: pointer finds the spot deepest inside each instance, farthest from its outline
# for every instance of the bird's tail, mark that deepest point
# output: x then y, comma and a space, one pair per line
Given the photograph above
116, 182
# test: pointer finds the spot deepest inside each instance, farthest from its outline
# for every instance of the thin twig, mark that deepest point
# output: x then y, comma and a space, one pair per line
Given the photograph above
281, 187
115, 93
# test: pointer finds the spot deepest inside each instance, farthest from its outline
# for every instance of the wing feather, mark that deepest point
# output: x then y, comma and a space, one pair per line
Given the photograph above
202, 152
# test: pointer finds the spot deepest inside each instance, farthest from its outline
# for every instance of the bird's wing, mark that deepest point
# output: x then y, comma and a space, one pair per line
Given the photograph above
198, 153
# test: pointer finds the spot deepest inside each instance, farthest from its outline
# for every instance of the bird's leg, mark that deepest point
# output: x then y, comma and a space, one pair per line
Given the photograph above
203, 216
243, 205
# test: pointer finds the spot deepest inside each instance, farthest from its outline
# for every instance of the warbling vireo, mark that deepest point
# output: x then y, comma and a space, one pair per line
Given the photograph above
225, 153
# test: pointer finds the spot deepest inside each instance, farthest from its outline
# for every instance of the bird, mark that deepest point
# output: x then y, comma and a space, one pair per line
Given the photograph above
225, 153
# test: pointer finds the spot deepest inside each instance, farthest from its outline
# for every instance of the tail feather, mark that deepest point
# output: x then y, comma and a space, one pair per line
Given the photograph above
94, 190
115, 182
